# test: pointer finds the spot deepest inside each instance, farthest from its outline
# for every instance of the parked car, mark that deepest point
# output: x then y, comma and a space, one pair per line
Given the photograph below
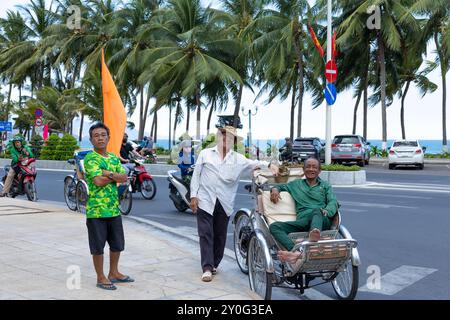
406, 152
304, 148
350, 148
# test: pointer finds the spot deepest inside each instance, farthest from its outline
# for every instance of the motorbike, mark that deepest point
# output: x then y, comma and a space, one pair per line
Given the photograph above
24, 180
140, 180
179, 190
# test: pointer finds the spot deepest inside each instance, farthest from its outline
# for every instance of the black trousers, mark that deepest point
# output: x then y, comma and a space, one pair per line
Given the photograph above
212, 230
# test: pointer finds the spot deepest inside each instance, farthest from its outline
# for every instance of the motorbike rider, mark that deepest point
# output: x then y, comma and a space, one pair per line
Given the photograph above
124, 157
19, 151
286, 150
186, 158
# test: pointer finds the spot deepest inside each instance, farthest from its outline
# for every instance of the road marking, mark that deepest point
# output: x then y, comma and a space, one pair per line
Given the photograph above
436, 188
399, 279
372, 205
384, 195
354, 210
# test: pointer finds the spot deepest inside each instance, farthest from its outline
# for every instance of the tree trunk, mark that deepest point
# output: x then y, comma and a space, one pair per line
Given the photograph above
443, 64
155, 119
199, 110
188, 117
9, 102
147, 104
208, 125
80, 135
152, 129
20, 96
294, 96
402, 110
237, 107
170, 126
175, 124
381, 61
366, 85
355, 112
301, 92
141, 114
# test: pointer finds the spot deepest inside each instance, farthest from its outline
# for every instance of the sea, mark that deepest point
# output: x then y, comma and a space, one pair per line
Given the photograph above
432, 146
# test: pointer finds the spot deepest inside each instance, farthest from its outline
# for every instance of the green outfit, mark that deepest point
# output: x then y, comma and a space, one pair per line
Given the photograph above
103, 201
15, 154
308, 202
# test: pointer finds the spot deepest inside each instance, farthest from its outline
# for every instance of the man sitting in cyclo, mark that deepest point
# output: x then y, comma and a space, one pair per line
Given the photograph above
315, 204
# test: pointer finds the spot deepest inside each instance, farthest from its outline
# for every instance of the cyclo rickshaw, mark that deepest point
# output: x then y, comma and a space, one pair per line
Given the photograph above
76, 190
334, 258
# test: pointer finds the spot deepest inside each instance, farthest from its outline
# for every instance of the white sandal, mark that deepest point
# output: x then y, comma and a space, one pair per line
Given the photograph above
207, 276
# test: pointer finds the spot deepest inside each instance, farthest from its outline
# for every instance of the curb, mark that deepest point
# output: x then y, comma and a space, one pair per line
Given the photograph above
426, 161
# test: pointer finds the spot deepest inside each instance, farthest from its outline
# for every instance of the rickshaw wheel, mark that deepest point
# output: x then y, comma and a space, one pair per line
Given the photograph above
241, 241
81, 196
345, 284
260, 279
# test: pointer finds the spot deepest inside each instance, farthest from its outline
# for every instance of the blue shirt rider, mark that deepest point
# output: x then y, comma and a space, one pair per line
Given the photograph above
186, 158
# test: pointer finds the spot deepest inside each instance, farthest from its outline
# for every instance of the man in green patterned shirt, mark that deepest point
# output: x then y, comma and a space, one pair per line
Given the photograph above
104, 222
315, 205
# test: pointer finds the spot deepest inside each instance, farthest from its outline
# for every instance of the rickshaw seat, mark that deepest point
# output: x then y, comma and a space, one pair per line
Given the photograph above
282, 211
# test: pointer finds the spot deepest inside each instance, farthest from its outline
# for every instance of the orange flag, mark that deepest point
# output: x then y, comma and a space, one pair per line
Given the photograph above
333, 46
316, 41
114, 115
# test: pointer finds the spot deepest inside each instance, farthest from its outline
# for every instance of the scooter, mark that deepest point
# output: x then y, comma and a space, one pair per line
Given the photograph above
141, 180
24, 180
179, 190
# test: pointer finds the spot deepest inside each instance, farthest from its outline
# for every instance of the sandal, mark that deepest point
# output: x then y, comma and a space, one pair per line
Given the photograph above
106, 286
207, 276
123, 280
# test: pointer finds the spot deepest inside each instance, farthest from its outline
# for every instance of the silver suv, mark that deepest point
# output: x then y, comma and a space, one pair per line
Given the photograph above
350, 148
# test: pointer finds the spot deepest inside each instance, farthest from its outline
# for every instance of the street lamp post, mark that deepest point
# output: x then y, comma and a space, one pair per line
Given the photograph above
249, 112
328, 107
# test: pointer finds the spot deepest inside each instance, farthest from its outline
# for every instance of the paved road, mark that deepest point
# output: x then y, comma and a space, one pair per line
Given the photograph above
401, 222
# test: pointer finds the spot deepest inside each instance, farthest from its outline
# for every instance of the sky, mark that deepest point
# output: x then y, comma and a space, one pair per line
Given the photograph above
423, 116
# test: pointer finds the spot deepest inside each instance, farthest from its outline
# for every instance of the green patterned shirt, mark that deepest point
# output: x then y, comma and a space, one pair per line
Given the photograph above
103, 201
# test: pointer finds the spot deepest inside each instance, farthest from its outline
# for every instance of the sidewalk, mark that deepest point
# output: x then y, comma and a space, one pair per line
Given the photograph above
43, 247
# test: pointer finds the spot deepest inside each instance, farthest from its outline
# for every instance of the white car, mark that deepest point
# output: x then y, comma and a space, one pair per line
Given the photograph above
406, 152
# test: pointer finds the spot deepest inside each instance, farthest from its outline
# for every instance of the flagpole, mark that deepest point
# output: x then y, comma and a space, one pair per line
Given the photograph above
328, 107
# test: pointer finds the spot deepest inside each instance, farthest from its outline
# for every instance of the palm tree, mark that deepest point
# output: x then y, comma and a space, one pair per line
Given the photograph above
437, 29
59, 108
181, 60
235, 21
284, 52
14, 36
394, 16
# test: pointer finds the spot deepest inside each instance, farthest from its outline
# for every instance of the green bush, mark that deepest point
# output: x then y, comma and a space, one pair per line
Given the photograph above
36, 144
49, 149
339, 167
66, 147
444, 155
162, 151
377, 152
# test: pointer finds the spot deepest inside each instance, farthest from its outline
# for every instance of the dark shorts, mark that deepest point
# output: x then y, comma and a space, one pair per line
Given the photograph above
102, 230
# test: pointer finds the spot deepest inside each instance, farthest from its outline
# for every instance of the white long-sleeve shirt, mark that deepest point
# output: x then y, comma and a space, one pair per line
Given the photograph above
214, 178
